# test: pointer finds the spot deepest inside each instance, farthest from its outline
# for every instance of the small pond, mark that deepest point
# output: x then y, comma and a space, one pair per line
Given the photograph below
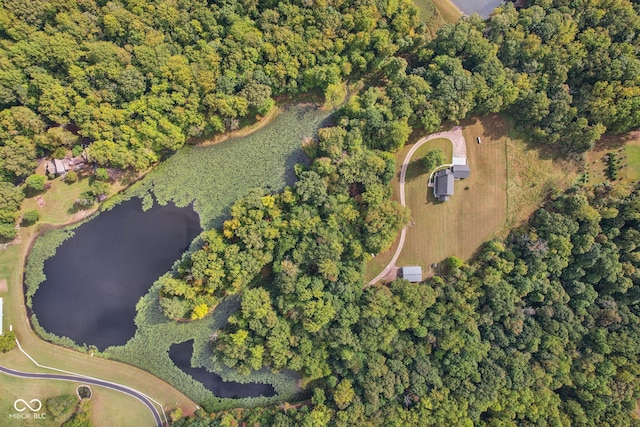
181, 354
97, 276
481, 7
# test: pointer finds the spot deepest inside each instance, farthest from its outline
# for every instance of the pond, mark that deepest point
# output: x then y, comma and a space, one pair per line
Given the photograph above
181, 353
97, 276
481, 7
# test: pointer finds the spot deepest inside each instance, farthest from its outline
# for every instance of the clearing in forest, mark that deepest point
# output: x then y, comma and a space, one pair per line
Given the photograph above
472, 214
626, 149
509, 180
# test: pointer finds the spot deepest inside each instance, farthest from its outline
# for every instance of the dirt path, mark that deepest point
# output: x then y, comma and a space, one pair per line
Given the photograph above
459, 150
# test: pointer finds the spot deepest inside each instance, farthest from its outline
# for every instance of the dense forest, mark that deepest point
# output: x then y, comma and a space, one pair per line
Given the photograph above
136, 79
540, 329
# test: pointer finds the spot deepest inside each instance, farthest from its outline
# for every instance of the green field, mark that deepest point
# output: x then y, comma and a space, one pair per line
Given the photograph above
436, 13
415, 169
626, 147
633, 161
509, 180
108, 407
534, 171
473, 213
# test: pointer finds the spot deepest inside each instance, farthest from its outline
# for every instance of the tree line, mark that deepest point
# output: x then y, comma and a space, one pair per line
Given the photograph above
539, 328
137, 79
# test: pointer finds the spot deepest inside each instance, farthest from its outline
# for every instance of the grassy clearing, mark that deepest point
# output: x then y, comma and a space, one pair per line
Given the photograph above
415, 169
379, 262
632, 151
471, 216
627, 147
437, 13
108, 407
429, 14
111, 408
447, 11
509, 180
12, 388
59, 201
534, 171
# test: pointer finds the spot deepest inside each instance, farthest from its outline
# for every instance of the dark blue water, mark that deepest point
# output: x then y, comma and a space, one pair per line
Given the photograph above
96, 277
181, 354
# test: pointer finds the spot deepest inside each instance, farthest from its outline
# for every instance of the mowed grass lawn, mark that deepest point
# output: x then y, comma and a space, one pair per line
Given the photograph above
509, 180
472, 215
627, 148
415, 172
108, 407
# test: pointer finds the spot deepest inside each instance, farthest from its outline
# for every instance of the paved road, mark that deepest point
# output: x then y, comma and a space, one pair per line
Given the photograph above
133, 393
459, 150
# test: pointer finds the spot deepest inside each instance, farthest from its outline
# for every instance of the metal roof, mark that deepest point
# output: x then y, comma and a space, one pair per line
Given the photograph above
60, 169
443, 184
461, 171
412, 273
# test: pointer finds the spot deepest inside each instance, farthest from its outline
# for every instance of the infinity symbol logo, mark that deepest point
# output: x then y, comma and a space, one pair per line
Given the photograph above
37, 405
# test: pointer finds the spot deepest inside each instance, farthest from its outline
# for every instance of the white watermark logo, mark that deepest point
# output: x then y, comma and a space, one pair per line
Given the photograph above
21, 405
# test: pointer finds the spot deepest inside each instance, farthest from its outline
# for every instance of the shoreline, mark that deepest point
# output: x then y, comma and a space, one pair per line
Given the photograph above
16, 257
245, 131
448, 10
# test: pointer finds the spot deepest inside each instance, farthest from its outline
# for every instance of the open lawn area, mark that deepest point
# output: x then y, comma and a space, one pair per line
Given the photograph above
474, 212
625, 147
534, 171
108, 407
12, 388
509, 180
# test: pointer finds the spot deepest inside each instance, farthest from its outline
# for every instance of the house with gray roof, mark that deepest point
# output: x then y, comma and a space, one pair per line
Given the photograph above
444, 179
443, 188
